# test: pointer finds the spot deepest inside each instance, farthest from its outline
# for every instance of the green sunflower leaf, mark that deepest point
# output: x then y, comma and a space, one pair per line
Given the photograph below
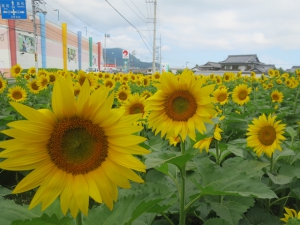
45, 220
130, 207
232, 208
236, 177
257, 216
10, 211
215, 221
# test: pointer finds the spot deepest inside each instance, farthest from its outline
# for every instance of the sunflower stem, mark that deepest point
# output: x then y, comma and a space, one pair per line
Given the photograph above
182, 212
295, 104
271, 163
217, 153
79, 219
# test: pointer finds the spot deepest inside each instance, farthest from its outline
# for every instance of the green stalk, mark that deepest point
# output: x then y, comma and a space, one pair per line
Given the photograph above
217, 153
182, 212
295, 104
270, 181
79, 219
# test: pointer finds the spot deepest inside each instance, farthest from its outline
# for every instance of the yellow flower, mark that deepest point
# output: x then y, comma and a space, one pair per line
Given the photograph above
203, 144
16, 70
265, 135
156, 76
76, 89
3, 84
17, 94
277, 96
221, 96
240, 94
52, 77
180, 106
271, 72
174, 140
31, 71
122, 95
109, 83
135, 105
291, 215
33, 86
43, 81
146, 94
81, 149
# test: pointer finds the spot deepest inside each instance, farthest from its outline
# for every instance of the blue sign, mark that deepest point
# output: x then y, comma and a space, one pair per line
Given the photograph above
13, 9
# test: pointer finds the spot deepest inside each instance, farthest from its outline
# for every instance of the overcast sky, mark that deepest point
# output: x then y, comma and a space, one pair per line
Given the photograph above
189, 32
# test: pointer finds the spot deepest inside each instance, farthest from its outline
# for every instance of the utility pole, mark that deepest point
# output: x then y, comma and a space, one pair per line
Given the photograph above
154, 35
154, 39
36, 9
160, 69
133, 54
105, 36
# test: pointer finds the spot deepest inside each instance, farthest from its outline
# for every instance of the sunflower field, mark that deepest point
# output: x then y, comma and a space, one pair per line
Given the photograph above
162, 149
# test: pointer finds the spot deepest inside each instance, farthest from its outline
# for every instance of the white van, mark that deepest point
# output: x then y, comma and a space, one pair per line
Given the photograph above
92, 69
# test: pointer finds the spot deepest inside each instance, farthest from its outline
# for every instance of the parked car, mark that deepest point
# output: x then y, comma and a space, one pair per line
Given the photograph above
92, 69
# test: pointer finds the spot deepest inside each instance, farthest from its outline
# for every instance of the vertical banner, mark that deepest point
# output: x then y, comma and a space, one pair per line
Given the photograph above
64, 44
79, 49
43, 39
99, 56
91, 51
12, 42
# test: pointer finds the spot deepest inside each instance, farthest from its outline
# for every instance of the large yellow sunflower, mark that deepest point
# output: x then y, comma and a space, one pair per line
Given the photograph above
221, 96
180, 106
81, 149
265, 135
240, 94
3, 84
17, 94
277, 96
16, 70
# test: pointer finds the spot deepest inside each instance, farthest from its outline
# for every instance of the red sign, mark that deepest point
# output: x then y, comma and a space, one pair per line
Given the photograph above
110, 65
125, 54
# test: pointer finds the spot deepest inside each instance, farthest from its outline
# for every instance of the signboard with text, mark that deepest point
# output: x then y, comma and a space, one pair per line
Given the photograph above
125, 54
13, 9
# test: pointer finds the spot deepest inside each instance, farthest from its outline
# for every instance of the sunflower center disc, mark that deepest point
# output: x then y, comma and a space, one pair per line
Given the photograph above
109, 84
267, 135
275, 97
1, 84
221, 97
17, 70
180, 105
136, 108
17, 95
243, 95
77, 146
123, 96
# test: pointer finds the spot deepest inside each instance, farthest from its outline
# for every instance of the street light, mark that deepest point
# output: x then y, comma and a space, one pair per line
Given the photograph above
115, 59
57, 15
186, 64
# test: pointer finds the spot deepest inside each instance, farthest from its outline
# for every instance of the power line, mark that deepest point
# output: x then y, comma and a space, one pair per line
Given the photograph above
138, 9
134, 11
78, 18
130, 24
